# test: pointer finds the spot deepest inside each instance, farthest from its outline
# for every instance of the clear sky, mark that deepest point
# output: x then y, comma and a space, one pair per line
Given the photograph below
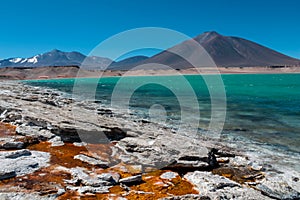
34, 26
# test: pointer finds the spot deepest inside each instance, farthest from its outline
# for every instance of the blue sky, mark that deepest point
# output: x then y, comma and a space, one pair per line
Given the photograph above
34, 26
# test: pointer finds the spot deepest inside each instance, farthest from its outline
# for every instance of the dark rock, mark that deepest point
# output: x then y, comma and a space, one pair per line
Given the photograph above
16, 154
212, 160
115, 133
193, 158
66, 133
145, 121
69, 133
131, 180
13, 145
7, 174
295, 179
102, 111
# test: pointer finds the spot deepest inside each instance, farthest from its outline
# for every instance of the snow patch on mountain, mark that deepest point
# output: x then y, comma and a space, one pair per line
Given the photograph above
33, 60
15, 60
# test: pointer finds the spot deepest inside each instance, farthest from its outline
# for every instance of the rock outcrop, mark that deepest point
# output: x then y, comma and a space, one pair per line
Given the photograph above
50, 145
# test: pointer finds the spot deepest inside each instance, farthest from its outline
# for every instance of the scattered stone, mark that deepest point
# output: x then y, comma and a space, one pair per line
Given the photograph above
79, 144
89, 189
255, 166
169, 175
276, 187
111, 177
187, 197
206, 181
89, 179
239, 161
60, 191
187, 164
131, 180
92, 161
219, 187
56, 142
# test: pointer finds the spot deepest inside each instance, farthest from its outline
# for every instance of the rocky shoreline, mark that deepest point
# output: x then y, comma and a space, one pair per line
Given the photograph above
43, 156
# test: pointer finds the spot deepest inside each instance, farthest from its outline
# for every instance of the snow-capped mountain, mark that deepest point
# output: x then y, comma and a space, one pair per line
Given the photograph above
57, 58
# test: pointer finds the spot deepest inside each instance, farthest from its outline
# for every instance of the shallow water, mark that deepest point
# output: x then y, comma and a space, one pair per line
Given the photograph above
263, 108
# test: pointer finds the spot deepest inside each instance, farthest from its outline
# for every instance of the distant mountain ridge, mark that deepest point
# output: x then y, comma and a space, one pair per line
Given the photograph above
57, 58
226, 51
238, 52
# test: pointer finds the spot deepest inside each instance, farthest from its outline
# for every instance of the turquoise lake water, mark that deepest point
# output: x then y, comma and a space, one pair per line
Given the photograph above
263, 108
